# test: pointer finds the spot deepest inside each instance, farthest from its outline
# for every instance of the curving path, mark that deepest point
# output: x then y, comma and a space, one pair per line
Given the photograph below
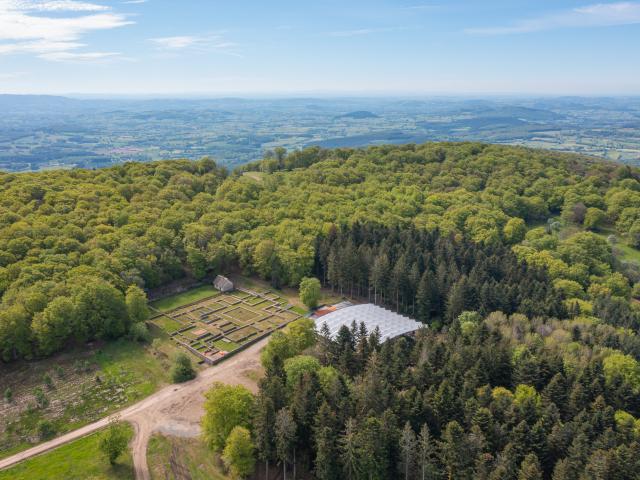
174, 410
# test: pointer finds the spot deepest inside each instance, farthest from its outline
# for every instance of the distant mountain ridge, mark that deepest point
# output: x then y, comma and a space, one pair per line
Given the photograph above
359, 115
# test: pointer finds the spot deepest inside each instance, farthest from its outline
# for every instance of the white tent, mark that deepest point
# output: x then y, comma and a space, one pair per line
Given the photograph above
390, 324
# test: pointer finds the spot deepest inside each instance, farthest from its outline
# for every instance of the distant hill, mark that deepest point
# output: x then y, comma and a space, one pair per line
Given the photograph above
359, 115
31, 103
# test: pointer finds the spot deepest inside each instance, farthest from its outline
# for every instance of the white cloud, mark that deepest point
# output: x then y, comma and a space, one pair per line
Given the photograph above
25, 27
134, 2
175, 43
78, 57
597, 15
60, 6
205, 43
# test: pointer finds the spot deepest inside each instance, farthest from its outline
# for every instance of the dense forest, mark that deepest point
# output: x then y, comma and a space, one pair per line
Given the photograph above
433, 278
73, 243
505, 384
495, 398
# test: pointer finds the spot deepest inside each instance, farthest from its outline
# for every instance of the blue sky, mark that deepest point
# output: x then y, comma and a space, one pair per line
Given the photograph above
327, 47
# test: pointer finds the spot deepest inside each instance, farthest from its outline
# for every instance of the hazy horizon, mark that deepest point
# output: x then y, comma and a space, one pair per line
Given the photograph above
284, 48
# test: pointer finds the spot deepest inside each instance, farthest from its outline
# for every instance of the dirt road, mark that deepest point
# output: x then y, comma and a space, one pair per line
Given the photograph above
174, 410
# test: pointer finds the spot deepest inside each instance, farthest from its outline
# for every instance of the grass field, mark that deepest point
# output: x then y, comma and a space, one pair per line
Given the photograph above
87, 385
226, 345
172, 457
175, 301
78, 460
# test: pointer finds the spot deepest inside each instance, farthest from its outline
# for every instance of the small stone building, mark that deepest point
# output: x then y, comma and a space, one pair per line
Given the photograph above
223, 284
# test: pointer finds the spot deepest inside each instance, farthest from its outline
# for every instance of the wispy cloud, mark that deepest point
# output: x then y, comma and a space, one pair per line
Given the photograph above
597, 15
79, 56
53, 30
134, 2
203, 43
360, 32
59, 6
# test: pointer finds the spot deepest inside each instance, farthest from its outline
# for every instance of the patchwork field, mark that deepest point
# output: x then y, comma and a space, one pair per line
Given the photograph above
221, 323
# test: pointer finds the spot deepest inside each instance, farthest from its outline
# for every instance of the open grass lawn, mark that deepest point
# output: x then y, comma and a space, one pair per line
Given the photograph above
172, 458
79, 460
88, 384
184, 298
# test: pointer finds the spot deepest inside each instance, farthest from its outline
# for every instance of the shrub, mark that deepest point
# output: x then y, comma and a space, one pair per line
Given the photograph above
46, 430
182, 369
139, 332
8, 395
114, 441
41, 398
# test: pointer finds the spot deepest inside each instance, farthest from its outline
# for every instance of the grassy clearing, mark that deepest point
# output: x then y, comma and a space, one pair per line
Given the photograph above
167, 324
226, 345
172, 457
628, 253
622, 251
79, 460
175, 301
87, 385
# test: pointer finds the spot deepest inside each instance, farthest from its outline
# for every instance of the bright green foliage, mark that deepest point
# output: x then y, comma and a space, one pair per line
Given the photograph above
301, 333
114, 441
226, 407
297, 337
625, 367
296, 367
82, 234
310, 291
277, 350
469, 321
136, 301
514, 230
624, 420
526, 395
52, 327
569, 288
594, 218
182, 370
238, 453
